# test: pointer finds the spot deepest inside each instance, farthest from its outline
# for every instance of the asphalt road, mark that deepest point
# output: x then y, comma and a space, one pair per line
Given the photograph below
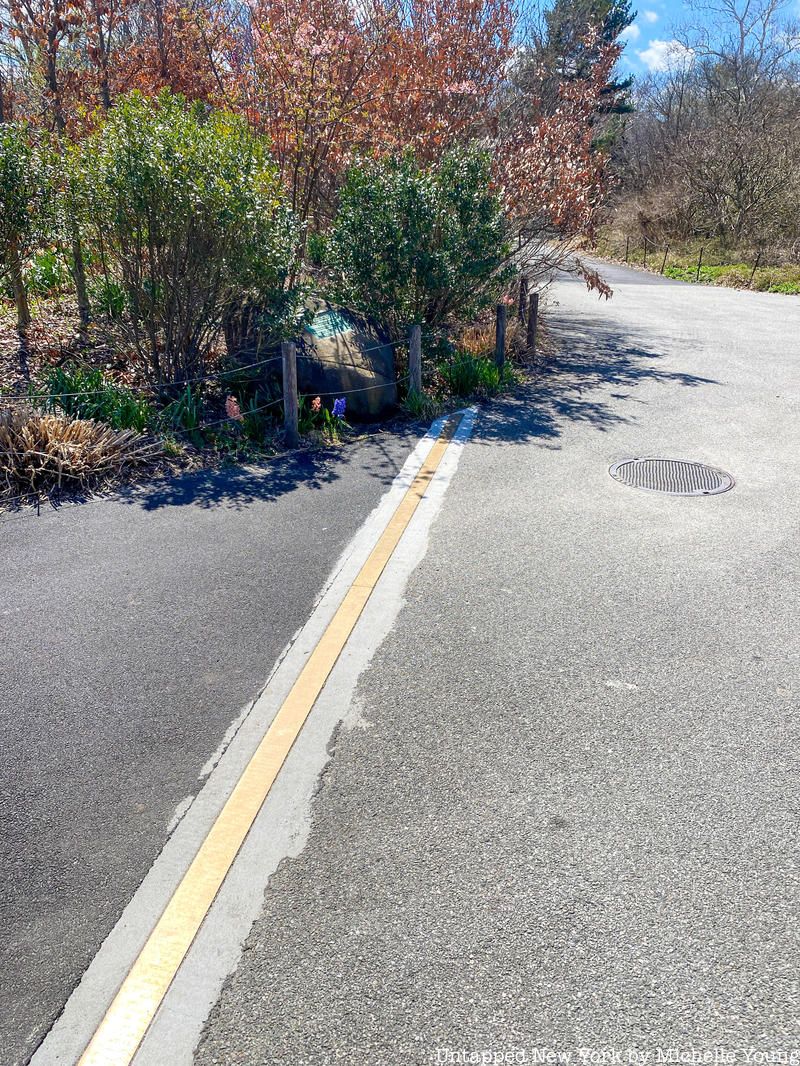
133, 632
565, 814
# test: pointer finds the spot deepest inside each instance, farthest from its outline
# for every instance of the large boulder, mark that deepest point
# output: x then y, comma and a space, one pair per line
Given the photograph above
340, 355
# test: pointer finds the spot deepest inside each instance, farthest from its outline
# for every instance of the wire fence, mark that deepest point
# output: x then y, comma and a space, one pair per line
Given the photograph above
217, 376
154, 390
290, 403
36, 498
705, 261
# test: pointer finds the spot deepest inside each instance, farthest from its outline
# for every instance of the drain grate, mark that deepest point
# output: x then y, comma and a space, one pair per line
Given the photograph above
677, 477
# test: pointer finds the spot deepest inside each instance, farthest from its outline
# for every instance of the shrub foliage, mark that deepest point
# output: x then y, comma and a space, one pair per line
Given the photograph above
25, 199
182, 212
418, 245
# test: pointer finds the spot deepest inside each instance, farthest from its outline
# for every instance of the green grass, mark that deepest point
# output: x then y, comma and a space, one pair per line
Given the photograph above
709, 275
784, 279
100, 400
720, 266
469, 375
423, 406
47, 272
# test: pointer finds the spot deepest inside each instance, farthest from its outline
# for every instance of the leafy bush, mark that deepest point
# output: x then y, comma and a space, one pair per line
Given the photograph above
788, 288
422, 405
709, 275
47, 272
107, 297
413, 245
25, 207
183, 210
315, 417
99, 399
185, 415
254, 390
785, 279
257, 417
43, 452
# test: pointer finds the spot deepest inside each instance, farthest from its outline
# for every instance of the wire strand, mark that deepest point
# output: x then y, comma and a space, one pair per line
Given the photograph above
233, 419
217, 422
216, 376
349, 392
37, 397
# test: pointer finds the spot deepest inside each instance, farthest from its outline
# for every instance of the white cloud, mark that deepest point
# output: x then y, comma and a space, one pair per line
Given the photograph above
651, 16
631, 33
665, 55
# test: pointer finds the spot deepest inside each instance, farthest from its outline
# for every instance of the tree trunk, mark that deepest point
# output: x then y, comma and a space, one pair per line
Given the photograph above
20, 295
105, 91
79, 277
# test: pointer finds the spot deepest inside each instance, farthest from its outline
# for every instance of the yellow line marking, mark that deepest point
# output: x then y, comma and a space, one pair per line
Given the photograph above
128, 1018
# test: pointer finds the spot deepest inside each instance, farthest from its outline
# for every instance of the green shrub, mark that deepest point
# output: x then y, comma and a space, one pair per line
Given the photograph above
47, 272
184, 415
784, 279
415, 245
422, 405
315, 417
255, 389
25, 207
709, 275
183, 210
100, 400
106, 297
257, 417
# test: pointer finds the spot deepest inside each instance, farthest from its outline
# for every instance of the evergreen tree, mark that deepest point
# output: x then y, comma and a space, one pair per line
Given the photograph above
569, 55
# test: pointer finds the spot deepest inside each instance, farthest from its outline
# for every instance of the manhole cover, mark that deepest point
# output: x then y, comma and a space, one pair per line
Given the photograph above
678, 477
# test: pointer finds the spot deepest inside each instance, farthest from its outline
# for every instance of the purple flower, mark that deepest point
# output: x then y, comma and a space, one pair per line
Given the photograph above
339, 407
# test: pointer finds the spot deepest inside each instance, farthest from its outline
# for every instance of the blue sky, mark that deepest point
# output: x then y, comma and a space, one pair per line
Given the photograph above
650, 40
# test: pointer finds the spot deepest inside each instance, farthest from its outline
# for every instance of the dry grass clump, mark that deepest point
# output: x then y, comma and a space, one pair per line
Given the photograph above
477, 339
41, 454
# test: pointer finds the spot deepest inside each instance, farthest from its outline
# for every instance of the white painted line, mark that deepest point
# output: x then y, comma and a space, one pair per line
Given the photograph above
282, 825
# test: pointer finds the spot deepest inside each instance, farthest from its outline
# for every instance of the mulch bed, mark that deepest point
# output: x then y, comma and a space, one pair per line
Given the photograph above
52, 339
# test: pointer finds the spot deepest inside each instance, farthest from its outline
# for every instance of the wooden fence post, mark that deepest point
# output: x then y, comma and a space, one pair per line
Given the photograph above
627, 243
755, 268
415, 359
699, 262
290, 399
533, 320
664, 260
644, 254
500, 336
523, 298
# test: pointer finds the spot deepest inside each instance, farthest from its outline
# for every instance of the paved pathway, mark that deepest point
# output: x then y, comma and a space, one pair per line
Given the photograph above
132, 635
563, 812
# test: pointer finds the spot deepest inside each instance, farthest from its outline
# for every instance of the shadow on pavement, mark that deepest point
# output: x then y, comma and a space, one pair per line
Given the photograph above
234, 487
592, 368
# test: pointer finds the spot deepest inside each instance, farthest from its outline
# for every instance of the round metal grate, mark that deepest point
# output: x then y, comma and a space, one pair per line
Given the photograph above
677, 477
